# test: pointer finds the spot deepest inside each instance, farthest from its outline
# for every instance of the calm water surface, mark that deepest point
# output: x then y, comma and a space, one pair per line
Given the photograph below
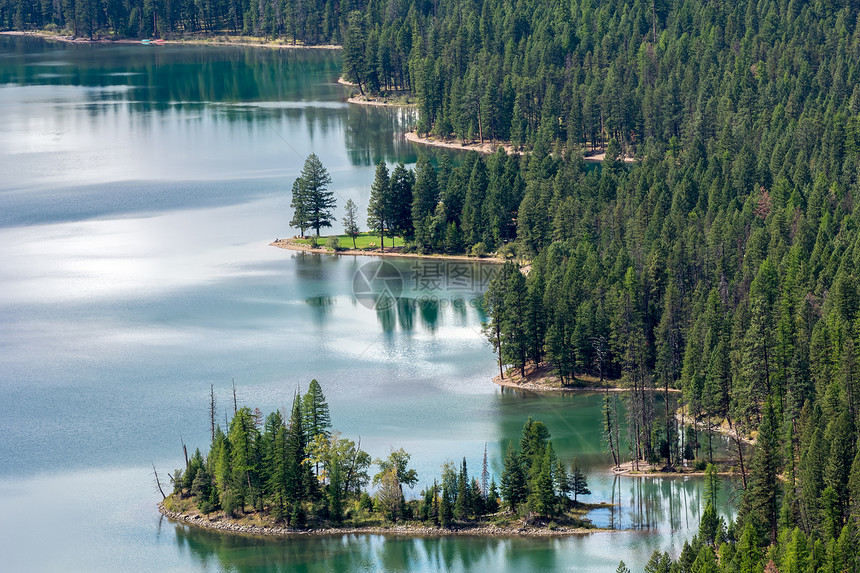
141, 186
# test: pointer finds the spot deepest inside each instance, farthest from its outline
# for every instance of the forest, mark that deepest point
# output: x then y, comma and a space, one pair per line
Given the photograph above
723, 262
294, 470
306, 22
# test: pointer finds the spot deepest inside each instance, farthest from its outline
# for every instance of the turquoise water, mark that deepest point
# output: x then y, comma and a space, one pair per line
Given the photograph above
141, 187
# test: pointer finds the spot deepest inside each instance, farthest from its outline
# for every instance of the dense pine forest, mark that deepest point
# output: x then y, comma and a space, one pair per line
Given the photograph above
308, 22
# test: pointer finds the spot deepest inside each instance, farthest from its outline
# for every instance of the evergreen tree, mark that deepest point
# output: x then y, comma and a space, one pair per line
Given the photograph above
579, 483
424, 201
390, 494
317, 420
350, 226
301, 207
461, 504
312, 201
379, 210
513, 486
401, 197
760, 505
541, 496
297, 479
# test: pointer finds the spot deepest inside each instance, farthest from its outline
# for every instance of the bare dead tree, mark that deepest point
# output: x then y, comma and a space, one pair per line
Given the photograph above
157, 481
485, 475
235, 405
212, 410
184, 451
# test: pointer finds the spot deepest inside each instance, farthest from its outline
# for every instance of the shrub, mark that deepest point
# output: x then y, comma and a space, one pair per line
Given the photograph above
479, 249
366, 502
507, 251
333, 243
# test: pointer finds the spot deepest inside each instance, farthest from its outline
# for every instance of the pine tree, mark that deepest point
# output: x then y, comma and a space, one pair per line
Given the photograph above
854, 488
705, 561
424, 201
301, 207
390, 494
712, 485
492, 498
494, 306
578, 480
350, 226
513, 486
461, 504
312, 201
401, 197
760, 505
514, 329
335, 493
379, 208
297, 480
317, 420
541, 496
795, 557
709, 525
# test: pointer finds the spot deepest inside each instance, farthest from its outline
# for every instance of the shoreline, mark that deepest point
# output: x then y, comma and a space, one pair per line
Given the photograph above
543, 380
211, 41
290, 245
486, 148
367, 100
491, 147
409, 530
647, 470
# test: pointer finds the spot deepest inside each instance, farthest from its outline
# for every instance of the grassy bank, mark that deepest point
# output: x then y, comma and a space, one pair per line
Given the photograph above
362, 241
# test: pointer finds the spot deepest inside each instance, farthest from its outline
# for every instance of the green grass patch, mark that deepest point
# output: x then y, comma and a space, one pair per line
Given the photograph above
363, 241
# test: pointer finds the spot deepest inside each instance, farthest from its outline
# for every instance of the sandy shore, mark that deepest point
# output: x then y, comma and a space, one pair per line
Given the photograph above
486, 147
211, 41
651, 470
220, 523
293, 246
491, 147
544, 379
379, 102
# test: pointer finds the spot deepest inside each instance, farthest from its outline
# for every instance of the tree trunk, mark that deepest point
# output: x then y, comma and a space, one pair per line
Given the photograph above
158, 482
740, 451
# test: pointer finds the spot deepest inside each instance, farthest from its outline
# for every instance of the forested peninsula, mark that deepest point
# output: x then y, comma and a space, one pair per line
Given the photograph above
286, 474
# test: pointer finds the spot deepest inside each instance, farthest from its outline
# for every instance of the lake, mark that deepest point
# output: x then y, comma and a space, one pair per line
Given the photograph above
141, 188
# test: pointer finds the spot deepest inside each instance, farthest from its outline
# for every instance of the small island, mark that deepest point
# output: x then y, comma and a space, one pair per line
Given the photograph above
279, 475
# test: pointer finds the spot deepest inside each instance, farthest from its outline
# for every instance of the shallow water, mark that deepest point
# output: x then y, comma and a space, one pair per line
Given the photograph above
141, 187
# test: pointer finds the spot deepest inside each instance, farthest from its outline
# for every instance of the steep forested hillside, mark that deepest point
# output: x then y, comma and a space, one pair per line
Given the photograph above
646, 73
723, 263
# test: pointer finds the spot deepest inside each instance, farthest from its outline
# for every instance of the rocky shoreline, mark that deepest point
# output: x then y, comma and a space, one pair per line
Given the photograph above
395, 530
